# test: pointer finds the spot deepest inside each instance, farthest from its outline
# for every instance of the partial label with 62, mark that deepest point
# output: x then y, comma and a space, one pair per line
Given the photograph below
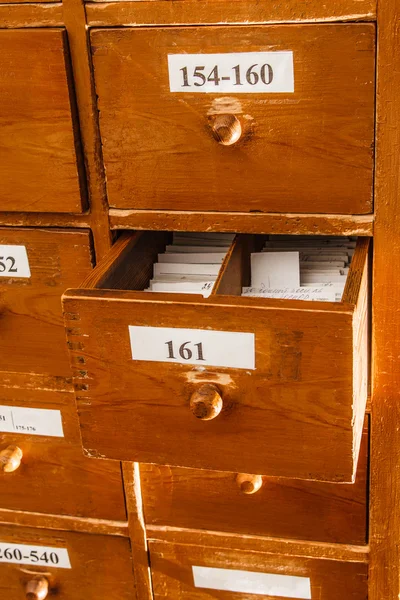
43, 556
238, 73
199, 347
14, 261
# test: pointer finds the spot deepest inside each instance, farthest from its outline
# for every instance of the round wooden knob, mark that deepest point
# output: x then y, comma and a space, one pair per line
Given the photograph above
206, 402
226, 129
249, 484
10, 459
37, 588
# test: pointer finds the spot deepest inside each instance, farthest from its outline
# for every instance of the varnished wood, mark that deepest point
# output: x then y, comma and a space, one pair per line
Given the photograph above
24, 219
53, 476
385, 442
45, 174
100, 565
311, 146
137, 531
273, 223
211, 500
171, 566
305, 423
15, 15
211, 11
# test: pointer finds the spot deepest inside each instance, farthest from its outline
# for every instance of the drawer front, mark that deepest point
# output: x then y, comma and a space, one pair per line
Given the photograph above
219, 574
50, 474
254, 505
291, 416
299, 151
32, 336
100, 566
40, 163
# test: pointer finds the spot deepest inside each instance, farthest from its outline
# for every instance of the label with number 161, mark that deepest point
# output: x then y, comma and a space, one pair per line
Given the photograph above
193, 346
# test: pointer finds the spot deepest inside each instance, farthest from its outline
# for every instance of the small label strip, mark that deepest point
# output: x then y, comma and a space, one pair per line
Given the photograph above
14, 262
31, 421
43, 556
249, 582
193, 346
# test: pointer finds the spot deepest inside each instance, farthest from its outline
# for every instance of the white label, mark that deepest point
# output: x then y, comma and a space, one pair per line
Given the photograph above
43, 556
249, 582
32, 421
193, 346
238, 72
14, 261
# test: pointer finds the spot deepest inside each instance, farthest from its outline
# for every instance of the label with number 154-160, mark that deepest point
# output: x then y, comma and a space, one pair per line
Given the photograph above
199, 347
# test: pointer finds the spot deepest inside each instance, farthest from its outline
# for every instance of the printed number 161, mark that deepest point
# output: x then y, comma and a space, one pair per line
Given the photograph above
184, 351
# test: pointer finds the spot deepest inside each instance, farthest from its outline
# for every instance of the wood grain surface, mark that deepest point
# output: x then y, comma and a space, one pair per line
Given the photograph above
14, 15
171, 566
309, 151
101, 565
153, 12
40, 164
32, 335
300, 397
385, 442
54, 476
212, 500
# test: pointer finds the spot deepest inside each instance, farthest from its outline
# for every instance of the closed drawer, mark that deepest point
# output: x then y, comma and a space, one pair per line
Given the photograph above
45, 470
197, 572
36, 266
254, 505
40, 161
303, 142
100, 565
293, 395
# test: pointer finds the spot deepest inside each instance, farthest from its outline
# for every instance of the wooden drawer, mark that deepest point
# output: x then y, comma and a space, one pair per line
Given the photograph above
53, 476
41, 168
174, 577
254, 505
298, 413
32, 336
307, 151
100, 565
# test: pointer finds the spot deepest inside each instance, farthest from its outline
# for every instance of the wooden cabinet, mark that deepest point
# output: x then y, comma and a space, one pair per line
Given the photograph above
296, 412
53, 476
307, 150
32, 335
41, 167
199, 573
247, 504
100, 566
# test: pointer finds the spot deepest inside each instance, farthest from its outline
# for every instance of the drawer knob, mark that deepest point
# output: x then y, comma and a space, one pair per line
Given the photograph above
249, 484
37, 588
206, 402
226, 129
10, 459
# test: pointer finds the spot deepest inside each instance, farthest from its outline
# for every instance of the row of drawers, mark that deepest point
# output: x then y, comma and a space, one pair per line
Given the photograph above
304, 151
55, 478
101, 567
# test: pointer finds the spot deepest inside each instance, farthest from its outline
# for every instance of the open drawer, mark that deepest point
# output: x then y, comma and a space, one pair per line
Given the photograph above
279, 386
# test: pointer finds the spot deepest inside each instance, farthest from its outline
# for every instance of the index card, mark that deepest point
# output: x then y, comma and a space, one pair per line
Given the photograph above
275, 269
211, 258
186, 269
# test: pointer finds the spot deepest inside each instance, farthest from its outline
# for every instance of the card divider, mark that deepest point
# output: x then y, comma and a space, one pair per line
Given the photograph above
357, 268
236, 271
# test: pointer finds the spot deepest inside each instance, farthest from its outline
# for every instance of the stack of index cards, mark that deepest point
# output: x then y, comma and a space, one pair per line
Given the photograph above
301, 268
191, 264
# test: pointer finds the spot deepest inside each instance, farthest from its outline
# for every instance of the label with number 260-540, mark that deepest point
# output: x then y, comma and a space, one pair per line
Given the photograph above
193, 346
233, 72
14, 261
43, 556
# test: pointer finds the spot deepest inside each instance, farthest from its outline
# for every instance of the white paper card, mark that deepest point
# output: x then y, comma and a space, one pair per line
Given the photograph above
249, 582
14, 261
193, 346
275, 269
237, 72
44, 556
32, 421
